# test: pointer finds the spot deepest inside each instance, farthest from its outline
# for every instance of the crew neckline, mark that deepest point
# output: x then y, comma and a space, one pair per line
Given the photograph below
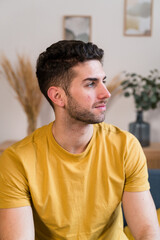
56, 146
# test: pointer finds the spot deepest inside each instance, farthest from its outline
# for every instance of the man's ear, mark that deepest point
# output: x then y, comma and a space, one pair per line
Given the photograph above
56, 95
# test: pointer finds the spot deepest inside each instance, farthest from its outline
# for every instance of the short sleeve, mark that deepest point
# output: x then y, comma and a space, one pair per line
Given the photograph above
14, 190
136, 172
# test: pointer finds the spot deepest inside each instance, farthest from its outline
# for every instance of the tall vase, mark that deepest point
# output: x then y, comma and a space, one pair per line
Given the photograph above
141, 130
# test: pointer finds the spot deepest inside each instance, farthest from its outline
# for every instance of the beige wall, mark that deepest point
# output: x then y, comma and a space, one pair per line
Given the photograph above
30, 26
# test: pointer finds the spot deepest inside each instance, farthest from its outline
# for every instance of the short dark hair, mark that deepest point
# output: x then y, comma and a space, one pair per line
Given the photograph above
54, 65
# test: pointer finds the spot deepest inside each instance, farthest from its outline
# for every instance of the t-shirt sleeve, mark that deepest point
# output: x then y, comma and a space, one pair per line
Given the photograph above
136, 172
14, 191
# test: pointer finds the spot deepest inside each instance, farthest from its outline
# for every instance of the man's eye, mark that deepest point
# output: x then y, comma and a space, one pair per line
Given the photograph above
91, 84
104, 81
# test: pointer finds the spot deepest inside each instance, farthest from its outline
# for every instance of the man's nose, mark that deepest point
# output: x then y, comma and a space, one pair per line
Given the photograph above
103, 92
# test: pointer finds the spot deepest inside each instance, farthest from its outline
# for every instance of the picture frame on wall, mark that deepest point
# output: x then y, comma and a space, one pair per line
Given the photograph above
77, 27
138, 17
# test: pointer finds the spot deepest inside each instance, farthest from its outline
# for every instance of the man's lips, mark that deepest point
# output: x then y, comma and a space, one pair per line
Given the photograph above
102, 108
100, 105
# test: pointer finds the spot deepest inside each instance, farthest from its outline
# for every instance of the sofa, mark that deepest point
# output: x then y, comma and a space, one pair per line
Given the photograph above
154, 179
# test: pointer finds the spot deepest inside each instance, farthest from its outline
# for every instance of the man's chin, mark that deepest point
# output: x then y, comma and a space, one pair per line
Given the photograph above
97, 120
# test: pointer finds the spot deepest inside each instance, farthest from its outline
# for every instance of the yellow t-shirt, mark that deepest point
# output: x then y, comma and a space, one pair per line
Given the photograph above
73, 196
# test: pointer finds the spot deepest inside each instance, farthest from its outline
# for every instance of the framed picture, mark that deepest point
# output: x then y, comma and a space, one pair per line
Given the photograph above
77, 28
138, 17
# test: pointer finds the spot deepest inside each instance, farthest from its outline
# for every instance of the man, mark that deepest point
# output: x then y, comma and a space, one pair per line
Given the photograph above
67, 180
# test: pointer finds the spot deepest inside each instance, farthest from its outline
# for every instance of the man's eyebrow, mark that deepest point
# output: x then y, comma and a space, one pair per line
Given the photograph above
93, 79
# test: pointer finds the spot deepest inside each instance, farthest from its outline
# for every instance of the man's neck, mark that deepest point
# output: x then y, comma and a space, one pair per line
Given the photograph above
73, 137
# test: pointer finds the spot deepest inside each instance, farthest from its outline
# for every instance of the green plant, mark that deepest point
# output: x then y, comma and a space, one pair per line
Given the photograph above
145, 90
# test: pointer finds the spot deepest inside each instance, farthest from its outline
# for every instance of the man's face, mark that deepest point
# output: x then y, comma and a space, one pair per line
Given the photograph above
86, 101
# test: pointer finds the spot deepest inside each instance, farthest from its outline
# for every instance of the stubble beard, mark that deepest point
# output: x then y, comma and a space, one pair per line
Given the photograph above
81, 114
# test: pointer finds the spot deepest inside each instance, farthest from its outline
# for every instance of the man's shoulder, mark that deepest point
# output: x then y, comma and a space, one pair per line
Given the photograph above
110, 129
113, 133
38, 137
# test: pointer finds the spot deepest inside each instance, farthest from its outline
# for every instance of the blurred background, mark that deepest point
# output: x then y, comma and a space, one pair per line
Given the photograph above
28, 27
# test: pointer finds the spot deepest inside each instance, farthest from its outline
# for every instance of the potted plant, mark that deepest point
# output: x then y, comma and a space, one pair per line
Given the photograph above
146, 94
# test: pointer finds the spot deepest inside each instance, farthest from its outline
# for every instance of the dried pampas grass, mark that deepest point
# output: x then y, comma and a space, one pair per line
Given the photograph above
114, 86
23, 80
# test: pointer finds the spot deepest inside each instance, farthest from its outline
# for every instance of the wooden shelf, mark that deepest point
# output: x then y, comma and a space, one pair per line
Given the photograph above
152, 153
